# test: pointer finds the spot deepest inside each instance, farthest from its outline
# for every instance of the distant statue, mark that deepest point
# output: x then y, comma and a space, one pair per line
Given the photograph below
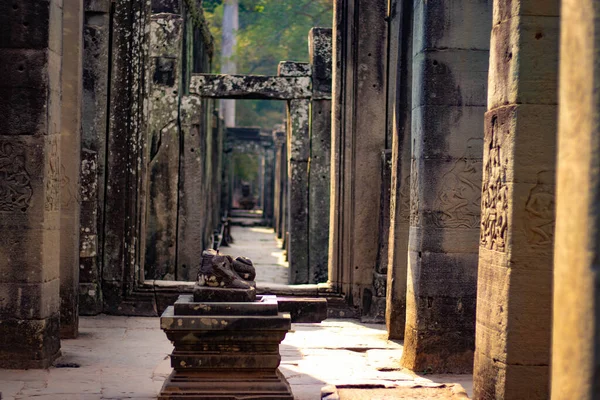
218, 270
247, 202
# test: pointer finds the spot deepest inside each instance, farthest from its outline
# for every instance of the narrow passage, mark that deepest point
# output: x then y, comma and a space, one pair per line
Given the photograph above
260, 244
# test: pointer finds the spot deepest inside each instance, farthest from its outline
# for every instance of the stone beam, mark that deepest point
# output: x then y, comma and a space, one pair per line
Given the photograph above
251, 86
576, 315
450, 68
514, 290
30, 104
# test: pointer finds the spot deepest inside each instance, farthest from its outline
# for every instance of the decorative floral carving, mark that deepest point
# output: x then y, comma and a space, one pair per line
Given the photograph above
15, 182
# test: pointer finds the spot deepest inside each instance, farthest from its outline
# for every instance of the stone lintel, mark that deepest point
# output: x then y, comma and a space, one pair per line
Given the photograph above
292, 68
251, 86
166, 6
98, 6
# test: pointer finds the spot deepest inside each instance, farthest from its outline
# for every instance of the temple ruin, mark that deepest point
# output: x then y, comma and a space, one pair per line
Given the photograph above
437, 171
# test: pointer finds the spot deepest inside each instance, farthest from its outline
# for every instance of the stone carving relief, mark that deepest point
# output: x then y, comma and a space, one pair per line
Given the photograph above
405, 199
494, 203
53, 177
415, 218
540, 209
458, 200
15, 182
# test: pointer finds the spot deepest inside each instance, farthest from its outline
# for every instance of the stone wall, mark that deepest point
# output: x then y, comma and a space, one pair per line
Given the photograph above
151, 152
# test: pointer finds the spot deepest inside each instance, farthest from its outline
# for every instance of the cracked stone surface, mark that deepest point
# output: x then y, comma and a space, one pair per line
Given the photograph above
127, 358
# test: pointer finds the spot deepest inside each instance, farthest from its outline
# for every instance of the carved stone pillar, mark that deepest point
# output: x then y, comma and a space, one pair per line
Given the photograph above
450, 68
30, 104
514, 290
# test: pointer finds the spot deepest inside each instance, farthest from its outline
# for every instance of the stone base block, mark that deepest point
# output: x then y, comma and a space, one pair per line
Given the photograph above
216, 294
230, 385
225, 350
29, 344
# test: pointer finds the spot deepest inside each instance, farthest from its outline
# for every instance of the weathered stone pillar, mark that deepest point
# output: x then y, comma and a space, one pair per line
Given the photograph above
165, 143
319, 45
399, 128
514, 290
280, 178
30, 104
576, 316
298, 152
193, 200
70, 146
93, 152
358, 137
268, 186
450, 68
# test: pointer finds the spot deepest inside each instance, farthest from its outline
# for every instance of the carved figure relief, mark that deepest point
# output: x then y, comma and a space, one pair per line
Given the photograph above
494, 202
458, 200
405, 199
15, 182
414, 194
53, 177
540, 208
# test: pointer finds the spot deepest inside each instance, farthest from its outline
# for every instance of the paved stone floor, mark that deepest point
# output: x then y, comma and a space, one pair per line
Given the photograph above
127, 358
261, 246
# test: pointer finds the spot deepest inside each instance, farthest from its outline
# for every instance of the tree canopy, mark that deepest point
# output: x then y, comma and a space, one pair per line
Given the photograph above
270, 31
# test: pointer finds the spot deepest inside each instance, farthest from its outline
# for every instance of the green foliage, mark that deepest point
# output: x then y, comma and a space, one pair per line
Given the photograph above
245, 166
270, 31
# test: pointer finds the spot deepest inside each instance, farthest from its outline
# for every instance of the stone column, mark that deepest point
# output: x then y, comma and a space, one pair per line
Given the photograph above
450, 68
358, 137
319, 45
168, 137
298, 152
280, 176
514, 291
399, 129
70, 145
93, 152
268, 186
576, 316
30, 105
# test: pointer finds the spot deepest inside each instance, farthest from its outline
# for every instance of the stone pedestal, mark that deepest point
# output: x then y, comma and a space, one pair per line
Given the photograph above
225, 350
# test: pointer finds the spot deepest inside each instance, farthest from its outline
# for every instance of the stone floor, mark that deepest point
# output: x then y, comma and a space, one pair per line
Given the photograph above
261, 246
127, 358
